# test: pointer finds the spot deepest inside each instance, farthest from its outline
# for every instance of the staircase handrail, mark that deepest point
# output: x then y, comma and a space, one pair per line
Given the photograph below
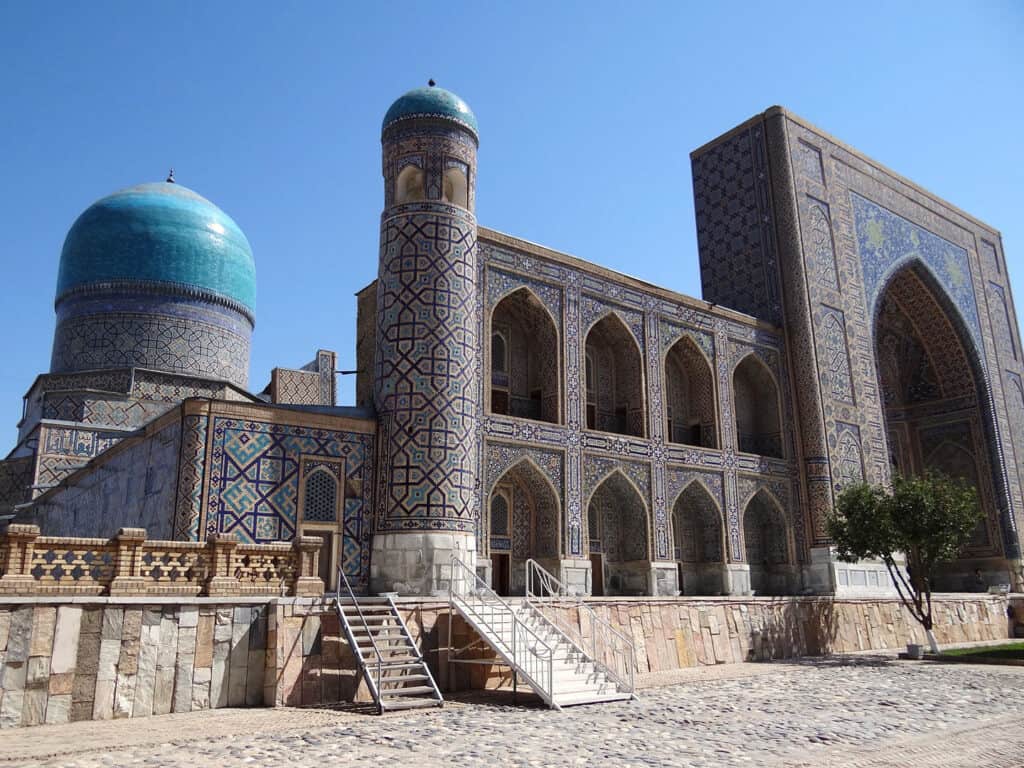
553, 590
343, 579
416, 648
545, 653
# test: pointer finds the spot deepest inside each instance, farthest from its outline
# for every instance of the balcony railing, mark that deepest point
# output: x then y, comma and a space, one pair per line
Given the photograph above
129, 565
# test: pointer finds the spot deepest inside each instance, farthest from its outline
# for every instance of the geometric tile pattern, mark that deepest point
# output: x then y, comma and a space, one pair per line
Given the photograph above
887, 242
734, 226
426, 370
167, 343
191, 466
254, 482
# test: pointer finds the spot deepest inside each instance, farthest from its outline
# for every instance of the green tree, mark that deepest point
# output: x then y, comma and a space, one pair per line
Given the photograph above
927, 518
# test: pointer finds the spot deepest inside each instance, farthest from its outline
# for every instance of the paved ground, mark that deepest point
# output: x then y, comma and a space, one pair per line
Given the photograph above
854, 712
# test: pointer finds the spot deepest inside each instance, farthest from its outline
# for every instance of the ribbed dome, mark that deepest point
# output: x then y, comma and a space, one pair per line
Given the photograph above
431, 102
159, 233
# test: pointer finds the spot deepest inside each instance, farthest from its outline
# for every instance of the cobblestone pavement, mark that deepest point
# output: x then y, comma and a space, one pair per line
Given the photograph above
853, 712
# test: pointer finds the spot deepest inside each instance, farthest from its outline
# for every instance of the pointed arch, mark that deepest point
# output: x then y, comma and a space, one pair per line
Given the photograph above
768, 544
935, 394
524, 359
615, 401
689, 395
531, 503
698, 531
618, 514
758, 408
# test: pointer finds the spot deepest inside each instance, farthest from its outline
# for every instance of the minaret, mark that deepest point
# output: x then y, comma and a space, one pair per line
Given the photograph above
426, 372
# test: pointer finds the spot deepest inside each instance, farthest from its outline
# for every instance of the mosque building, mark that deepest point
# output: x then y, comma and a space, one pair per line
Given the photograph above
515, 402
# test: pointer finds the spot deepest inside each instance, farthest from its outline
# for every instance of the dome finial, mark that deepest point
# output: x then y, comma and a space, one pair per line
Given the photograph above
170, 176
431, 82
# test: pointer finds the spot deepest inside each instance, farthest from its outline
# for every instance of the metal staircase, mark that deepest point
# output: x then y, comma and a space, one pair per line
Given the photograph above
389, 660
560, 669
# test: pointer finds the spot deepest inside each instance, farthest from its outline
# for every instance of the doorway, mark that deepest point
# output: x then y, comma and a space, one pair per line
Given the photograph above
596, 575
500, 573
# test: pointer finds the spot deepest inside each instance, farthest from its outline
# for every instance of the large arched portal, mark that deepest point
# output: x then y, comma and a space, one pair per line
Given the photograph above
613, 377
523, 523
689, 396
524, 359
756, 397
699, 541
619, 549
767, 544
933, 396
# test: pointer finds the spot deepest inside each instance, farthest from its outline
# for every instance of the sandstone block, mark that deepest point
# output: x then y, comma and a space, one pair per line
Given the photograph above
65, 639
37, 672
33, 710
113, 623
188, 616
20, 635
163, 689
183, 685
44, 620
13, 676
61, 684
124, 695
10, 708
58, 709
103, 706
5, 628
105, 666
132, 627
204, 642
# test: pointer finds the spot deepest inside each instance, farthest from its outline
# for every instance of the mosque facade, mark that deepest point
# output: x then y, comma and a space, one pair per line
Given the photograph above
514, 402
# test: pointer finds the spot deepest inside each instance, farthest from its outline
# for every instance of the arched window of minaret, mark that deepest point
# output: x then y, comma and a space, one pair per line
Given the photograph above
756, 399
456, 185
410, 187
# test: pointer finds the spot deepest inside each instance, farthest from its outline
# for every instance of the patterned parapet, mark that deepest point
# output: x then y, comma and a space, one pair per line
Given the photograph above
128, 564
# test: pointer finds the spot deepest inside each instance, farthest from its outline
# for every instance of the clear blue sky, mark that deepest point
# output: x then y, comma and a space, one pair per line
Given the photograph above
587, 114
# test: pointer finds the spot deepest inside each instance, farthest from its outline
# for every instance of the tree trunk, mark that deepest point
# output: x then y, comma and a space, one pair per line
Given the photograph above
932, 644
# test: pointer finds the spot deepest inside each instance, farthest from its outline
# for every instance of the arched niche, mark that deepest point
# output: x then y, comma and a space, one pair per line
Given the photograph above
524, 520
619, 541
524, 359
689, 396
699, 539
935, 402
767, 538
614, 387
756, 402
456, 187
410, 185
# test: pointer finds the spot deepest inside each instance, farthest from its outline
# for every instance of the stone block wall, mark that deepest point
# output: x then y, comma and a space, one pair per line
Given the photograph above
100, 660
132, 483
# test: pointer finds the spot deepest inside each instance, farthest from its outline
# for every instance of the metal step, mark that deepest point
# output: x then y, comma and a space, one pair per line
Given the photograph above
397, 704
419, 690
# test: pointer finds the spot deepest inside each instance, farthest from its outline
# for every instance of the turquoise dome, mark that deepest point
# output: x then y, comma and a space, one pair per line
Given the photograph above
159, 233
431, 102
